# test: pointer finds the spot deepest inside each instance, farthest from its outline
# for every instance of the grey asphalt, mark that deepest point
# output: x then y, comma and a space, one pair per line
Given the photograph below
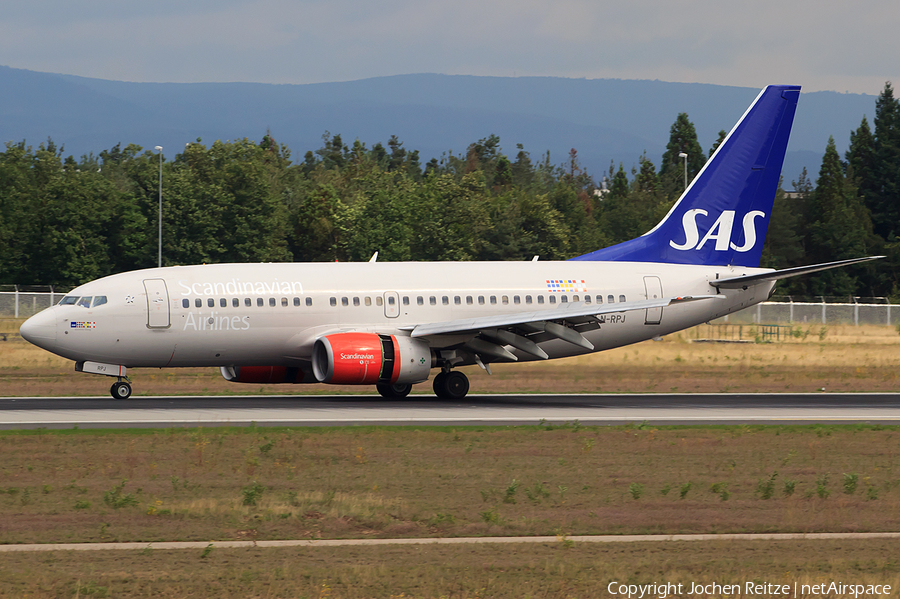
333, 410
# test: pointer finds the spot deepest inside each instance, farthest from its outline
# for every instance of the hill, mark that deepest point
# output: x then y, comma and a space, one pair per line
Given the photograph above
603, 119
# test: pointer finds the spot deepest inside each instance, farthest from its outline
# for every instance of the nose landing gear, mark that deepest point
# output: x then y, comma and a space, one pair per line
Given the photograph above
120, 390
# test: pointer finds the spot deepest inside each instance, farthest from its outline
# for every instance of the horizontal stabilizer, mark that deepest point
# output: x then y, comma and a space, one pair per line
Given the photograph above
775, 275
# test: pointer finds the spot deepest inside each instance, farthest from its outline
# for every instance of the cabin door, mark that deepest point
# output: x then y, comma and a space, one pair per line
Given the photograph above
653, 286
157, 304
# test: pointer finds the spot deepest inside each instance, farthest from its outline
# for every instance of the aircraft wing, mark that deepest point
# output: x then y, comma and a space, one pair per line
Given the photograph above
489, 334
750, 280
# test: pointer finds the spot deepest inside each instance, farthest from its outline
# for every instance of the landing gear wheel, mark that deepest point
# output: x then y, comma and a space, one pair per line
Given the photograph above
120, 390
393, 391
451, 385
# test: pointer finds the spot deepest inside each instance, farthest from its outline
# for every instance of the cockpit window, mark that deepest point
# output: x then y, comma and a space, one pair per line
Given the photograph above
85, 302
68, 300
99, 300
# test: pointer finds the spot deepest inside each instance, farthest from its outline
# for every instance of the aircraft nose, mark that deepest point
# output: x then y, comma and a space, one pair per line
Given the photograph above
40, 329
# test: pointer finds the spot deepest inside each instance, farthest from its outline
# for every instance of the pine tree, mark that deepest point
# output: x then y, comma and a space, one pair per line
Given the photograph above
884, 200
682, 139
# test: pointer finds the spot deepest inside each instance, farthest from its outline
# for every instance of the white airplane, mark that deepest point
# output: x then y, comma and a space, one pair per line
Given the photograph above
390, 324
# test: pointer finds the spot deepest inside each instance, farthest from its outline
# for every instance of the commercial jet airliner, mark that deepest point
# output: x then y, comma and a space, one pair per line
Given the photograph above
391, 324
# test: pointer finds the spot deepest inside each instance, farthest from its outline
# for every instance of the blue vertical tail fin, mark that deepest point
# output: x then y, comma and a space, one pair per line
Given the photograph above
723, 215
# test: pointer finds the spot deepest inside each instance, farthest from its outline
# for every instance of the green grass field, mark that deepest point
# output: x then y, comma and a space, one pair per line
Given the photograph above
382, 482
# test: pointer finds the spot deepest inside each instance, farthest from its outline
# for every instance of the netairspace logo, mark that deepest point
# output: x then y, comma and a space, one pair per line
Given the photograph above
795, 590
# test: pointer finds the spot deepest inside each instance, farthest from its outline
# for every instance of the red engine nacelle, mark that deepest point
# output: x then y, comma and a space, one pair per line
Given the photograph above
266, 374
370, 358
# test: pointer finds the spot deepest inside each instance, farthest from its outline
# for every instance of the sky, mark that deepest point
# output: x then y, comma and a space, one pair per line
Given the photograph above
819, 44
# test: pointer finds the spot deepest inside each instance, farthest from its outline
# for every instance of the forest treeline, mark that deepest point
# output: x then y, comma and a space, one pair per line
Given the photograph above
65, 221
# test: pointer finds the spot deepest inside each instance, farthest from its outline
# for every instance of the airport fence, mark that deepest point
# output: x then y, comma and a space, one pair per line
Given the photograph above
17, 301
786, 309
22, 302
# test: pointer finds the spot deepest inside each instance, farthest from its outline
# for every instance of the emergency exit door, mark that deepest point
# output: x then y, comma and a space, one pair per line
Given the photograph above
653, 287
157, 304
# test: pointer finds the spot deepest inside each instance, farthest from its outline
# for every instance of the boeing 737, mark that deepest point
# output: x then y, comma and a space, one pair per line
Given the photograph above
390, 324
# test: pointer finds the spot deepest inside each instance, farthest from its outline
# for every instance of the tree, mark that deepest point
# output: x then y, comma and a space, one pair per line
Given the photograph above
884, 199
838, 226
682, 139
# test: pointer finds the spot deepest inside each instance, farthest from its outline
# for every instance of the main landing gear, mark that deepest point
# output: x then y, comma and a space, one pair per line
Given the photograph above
120, 390
451, 385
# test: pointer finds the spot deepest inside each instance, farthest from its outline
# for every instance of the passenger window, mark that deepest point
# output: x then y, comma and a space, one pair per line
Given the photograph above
284, 302
368, 301
469, 300
493, 299
235, 303
99, 300
380, 302
457, 300
296, 301
259, 302
210, 302
198, 303
223, 303
247, 302
309, 301
85, 302
391, 300
575, 298
432, 301
355, 301
622, 298
527, 299
420, 301
540, 299
599, 299
611, 299
405, 300
445, 300
345, 301
563, 299
68, 300
516, 299
185, 303
587, 299
481, 300
552, 299
272, 302
333, 301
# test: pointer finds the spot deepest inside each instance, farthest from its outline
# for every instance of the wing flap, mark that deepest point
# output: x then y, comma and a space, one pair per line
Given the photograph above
539, 319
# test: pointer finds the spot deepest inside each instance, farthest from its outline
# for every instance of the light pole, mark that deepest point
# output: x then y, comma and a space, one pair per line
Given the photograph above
680, 155
159, 149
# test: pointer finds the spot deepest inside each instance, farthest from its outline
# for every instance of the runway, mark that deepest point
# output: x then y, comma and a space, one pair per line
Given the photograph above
345, 410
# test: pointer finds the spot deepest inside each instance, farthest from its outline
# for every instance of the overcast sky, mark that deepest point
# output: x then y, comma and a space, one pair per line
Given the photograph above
819, 44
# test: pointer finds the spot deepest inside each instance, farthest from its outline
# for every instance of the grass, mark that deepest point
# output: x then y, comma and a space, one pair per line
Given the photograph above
562, 569
222, 483
845, 359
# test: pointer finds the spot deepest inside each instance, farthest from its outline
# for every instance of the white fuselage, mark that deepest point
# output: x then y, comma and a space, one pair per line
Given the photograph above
271, 314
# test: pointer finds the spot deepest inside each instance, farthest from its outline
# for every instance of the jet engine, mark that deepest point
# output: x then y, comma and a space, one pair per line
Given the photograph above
370, 358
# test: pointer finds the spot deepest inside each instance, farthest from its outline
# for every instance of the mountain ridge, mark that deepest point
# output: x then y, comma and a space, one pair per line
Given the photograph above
604, 119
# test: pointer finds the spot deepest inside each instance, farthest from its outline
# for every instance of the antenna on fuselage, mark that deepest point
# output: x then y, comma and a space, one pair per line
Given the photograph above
535, 259
374, 257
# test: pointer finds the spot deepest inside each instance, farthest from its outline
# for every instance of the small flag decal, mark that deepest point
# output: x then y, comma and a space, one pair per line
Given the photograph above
565, 285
